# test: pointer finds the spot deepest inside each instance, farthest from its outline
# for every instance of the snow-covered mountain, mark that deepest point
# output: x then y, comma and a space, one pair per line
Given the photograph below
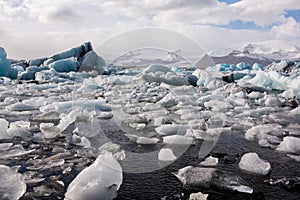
261, 52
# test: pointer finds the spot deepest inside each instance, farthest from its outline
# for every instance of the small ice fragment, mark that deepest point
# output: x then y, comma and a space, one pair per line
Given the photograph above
251, 162
49, 130
210, 162
178, 139
145, 140
198, 196
166, 154
3, 129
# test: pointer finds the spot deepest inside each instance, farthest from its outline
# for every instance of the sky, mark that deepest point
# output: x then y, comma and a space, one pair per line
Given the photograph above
34, 28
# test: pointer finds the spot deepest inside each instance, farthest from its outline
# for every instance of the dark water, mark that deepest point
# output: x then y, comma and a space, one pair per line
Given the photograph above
229, 148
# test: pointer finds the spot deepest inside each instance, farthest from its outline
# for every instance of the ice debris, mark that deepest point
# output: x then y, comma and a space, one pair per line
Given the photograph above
12, 184
101, 180
251, 162
166, 154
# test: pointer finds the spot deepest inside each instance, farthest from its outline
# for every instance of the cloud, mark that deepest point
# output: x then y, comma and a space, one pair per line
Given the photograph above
50, 26
288, 29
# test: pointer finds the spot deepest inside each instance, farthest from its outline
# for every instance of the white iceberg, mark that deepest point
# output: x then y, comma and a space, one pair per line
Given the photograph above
101, 180
251, 162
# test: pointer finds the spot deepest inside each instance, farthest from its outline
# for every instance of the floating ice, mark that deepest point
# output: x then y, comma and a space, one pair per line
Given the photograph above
12, 184
203, 77
112, 149
205, 178
91, 61
5, 66
19, 128
3, 130
5, 146
157, 68
101, 180
172, 129
289, 144
146, 140
49, 130
251, 162
178, 139
166, 154
21, 107
264, 132
68, 106
198, 196
210, 162
65, 65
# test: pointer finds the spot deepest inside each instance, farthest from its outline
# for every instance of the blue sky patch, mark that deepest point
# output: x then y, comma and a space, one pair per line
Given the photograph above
293, 13
229, 1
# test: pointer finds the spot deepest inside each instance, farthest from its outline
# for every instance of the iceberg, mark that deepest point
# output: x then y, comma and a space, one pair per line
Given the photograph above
65, 65
12, 184
5, 66
251, 162
101, 180
91, 61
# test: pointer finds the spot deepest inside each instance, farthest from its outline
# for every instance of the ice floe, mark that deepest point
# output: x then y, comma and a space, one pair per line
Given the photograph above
251, 162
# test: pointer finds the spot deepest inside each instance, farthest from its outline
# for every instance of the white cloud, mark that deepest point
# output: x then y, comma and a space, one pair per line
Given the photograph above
288, 29
48, 26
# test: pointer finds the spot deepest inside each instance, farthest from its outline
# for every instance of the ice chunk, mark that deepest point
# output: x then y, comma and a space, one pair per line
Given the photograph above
296, 111
178, 139
251, 162
21, 107
157, 68
5, 66
289, 144
218, 105
166, 154
19, 128
68, 106
296, 158
204, 178
257, 67
49, 130
12, 184
92, 61
146, 140
105, 115
3, 129
272, 101
101, 180
210, 162
5, 146
172, 129
113, 149
198, 196
75, 52
203, 77
65, 65
67, 119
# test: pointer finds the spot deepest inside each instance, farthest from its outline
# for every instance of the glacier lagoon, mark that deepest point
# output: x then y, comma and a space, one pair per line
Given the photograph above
58, 119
